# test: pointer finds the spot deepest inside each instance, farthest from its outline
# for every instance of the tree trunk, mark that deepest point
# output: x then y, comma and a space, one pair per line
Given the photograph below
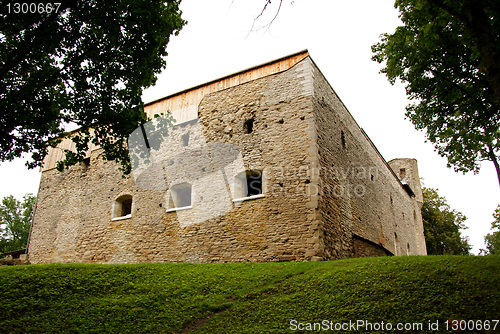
494, 159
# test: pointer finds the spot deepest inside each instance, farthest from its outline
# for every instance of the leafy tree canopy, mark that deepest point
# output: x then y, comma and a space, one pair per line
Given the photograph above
15, 220
442, 226
448, 55
493, 239
85, 63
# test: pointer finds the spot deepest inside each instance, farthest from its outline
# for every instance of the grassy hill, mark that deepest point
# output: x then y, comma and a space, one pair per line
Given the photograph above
254, 297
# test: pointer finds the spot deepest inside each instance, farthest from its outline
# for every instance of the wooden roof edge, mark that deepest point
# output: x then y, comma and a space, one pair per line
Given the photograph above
305, 52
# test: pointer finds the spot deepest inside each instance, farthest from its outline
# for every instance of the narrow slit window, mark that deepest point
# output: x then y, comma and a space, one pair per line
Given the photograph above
402, 173
396, 244
342, 139
248, 126
185, 139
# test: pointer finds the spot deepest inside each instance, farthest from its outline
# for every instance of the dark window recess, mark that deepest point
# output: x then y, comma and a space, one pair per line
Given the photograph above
86, 161
185, 139
123, 206
254, 182
342, 139
402, 173
248, 126
126, 207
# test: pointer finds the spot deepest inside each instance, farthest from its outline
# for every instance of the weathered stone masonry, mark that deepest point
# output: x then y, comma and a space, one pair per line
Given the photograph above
326, 191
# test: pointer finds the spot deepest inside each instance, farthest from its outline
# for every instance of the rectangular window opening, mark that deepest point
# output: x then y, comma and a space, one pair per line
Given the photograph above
248, 126
180, 197
254, 183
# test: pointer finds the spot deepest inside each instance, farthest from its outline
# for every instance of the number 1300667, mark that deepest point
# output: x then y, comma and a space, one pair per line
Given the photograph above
33, 8
472, 325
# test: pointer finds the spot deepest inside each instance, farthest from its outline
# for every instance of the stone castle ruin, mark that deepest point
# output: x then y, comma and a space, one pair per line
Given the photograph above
263, 165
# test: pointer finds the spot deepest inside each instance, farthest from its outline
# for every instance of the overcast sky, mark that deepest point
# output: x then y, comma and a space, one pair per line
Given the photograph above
338, 34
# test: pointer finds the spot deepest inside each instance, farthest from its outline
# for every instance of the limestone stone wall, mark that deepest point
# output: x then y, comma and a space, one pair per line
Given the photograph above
407, 171
361, 197
74, 222
326, 192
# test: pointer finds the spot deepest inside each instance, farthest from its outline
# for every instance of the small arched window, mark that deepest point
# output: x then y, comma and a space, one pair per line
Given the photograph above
180, 197
248, 184
122, 208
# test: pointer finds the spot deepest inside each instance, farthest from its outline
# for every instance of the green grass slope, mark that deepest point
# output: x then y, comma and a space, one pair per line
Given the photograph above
347, 295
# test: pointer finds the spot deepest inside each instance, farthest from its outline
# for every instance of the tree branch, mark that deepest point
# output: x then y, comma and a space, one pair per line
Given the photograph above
477, 23
449, 10
30, 42
268, 25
